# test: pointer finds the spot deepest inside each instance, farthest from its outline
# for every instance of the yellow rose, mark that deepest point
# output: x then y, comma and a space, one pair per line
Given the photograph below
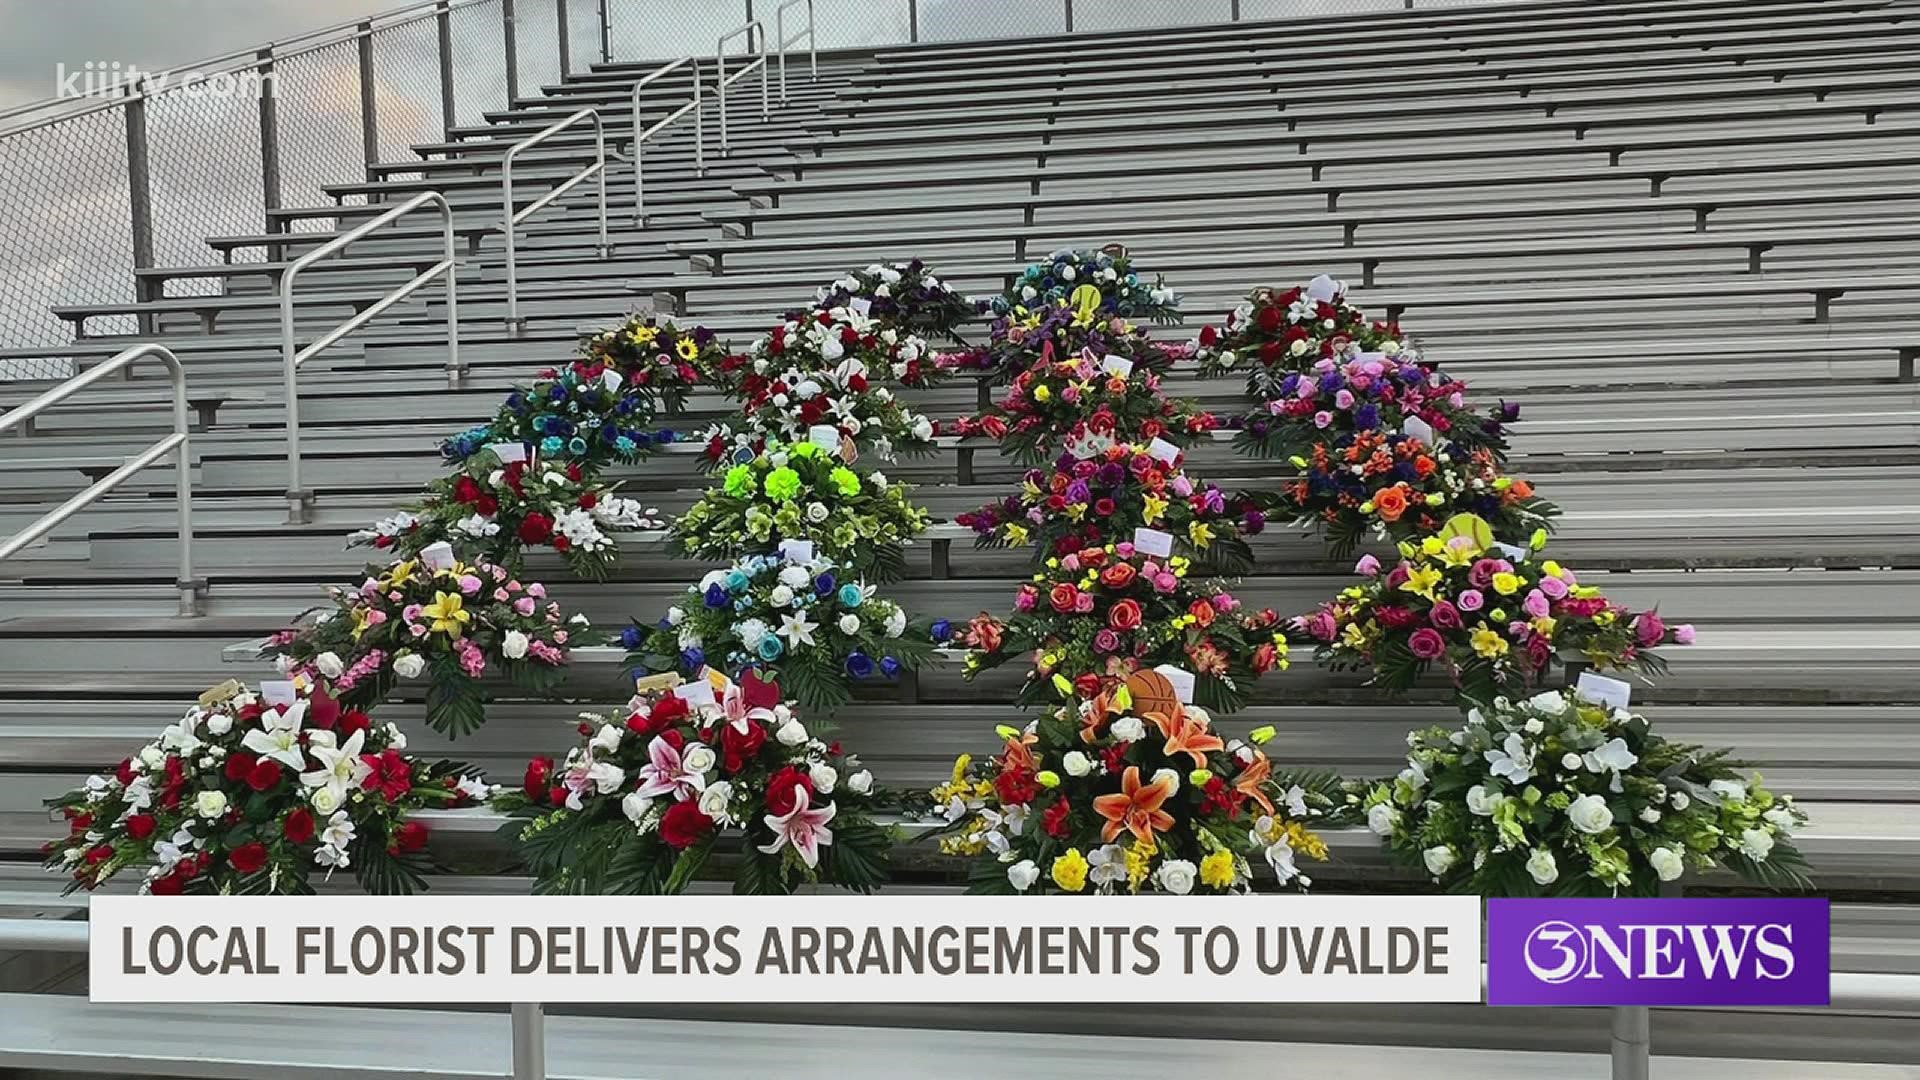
1506, 584
1070, 870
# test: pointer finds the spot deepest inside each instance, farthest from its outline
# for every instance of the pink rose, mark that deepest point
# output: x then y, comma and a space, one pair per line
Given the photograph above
1426, 644
1683, 634
469, 584
1343, 400
1165, 582
1649, 630
1225, 602
1471, 600
1320, 625
375, 617
1182, 486
1083, 603
1554, 588
411, 612
559, 637
524, 605
1535, 604
1124, 549
536, 590
1398, 576
1368, 566
1323, 419
1027, 599
1106, 641
1445, 616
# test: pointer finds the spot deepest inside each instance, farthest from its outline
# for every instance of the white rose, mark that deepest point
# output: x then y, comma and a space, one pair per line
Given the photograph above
698, 759
1730, 790
1552, 701
795, 577
1570, 762
824, 778
152, 757
1023, 874
1076, 763
1176, 876
1169, 777
896, 623
325, 800
1756, 844
635, 806
675, 616
1779, 819
1439, 859
1391, 348
1680, 800
791, 733
514, 645
607, 738
1650, 816
1129, 729
849, 624
1480, 801
878, 480
1666, 862
1542, 868
817, 512
860, 783
1382, 818
329, 665
219, 724
1590, 815
210, 804
922, 428
714, 800
409, 665
781, 596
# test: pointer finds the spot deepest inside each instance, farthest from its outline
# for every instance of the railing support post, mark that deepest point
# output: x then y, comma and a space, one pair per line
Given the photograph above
369, 123
443, 31
269, 137
566, 49
913, 21
606, 34
512, 52
139, 189
1069, 7
529, 1042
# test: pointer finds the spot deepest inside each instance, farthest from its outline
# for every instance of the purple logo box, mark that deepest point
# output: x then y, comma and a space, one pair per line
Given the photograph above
1657, 952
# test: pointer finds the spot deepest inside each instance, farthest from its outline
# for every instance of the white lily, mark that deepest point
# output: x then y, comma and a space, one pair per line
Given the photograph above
278, 737
341, 770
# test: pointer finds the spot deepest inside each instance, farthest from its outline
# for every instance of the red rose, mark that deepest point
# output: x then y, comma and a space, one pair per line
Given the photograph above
487, 505
669, 709
1269, 319
1202, 612
738, 748
535, 528
1208, 335
465, 490
1087, 685
125, 772
1057, 819
1124, 615
140, 826
410, 836
561, 543
98, 854
171, 885
589, 500
240, 765
248, 858
1117, 576
573, 471
353, 721
1062, 597
298, 827
264, 774
539, 772
780, 789
683, 825
1104, 507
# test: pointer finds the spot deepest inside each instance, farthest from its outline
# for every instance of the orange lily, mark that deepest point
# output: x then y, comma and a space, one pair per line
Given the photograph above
1253, 782
1136, 808
1102, 709
1017, 755
1187, 735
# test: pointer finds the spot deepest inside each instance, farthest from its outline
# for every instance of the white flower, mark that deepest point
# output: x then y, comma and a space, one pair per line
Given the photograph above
1589, 814
635, 806
1613, 757
849, 624
791, 733
1023, 874
1756, 844
1413, 776
1680, 800
878, 480
1534, 727
278, 737
1176, 876
781, 596
340, 768
1570, 762
1482, 802
1542, 868
1076, 763
1513, 762
1666, 862
607, 738
325, 800
750, 632
817, 512
1439, 859
676, 616
1167, 776
699, 758
860, 783
219, 723
1382, 818
1129, 729
922, 428
152, 757
409, 665
797, 629
714, 800
795, 577
1730, 790
210, 803
1552, 701
514, 645
896, 623
824, 778
329, 664
1779, 818
338, 832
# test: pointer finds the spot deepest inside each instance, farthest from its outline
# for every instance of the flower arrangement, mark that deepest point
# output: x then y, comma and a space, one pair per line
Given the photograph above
252, 793
809, 380
800, 492
1370, 392
906, 296
1084, 401
1555, 795
584, 414
1091, 618
1129, 791
653, 793
798, 621
1069, 275
1086, 501
1489, 615
435, 618
1276, 332
1027, 336
655, 358
496, 510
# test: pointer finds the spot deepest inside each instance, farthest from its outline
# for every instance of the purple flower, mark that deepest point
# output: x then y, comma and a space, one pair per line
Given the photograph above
1343, 400
1367, 417
1368, 566
1253, 523
1111, 474
1106, 641
1553, 587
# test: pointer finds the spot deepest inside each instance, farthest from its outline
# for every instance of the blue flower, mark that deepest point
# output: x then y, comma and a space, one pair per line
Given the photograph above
770, 648
737, 580
693, 658
942, 630
623, 444
889, 667
850, 596
577, 446
551, 444
664, 436
632, 636
717, 597
1367, 417
558, 393
860, 665
825, 584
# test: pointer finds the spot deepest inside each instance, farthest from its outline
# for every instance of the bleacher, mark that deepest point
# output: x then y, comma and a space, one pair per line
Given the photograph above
1680, 232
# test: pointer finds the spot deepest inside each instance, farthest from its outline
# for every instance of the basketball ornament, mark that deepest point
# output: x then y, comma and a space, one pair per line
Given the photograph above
1153, 693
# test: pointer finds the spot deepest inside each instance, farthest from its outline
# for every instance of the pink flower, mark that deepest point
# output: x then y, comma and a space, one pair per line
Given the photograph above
1445, 616
1368, 566
666, 772
1427, 644
1165, 582
1225, 602
803, 827
1083, 602
1535, 604
524, 605
411, 612
417, 629
1343, 400
1398, 576
500, 595
1027, 599
1182, 486
546, 653
469, 584
1555, 588
1321, 625
375, 617
1683, 634
1649, 629
1323, 419
1471, 600
1483, 570
537, 590
1124, 549
1106, 641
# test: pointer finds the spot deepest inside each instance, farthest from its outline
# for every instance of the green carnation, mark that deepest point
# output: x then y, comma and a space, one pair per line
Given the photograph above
782, 484
739, 481
804, 449
846, 480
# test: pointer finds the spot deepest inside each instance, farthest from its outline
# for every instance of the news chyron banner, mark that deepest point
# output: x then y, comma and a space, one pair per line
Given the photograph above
828, 948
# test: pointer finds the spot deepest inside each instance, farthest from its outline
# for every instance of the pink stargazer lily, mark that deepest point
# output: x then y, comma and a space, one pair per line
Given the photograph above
803, 827
739, 712
666, 772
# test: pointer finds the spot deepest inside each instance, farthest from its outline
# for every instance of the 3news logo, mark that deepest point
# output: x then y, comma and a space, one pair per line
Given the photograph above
1657, 952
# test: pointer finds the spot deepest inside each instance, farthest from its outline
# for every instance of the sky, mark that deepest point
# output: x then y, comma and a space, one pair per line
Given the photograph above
41, 34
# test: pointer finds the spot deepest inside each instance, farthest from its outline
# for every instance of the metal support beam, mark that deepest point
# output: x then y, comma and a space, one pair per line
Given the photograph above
369, 123
443, 30
139, 190
512, 52
529, 1042
606, 34
913, 21
1069, 8
269, 137
560, 19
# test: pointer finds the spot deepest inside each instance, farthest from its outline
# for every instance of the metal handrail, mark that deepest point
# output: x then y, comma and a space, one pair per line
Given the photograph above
813, 44
755, 32
511, 220
299, 500
640, 136
174, 444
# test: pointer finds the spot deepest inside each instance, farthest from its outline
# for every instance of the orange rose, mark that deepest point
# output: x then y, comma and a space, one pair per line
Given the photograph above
1062, 597
1520, 490
1124, 615
1390, 502
1202, 612
1424, 465
1117, 576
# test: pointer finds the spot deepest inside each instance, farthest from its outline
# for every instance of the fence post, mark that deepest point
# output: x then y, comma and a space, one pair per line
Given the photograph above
1069, 7
443, 27
512, 52
913, 21
560, 19
269, 137
529, 1042
369, 124
139, 190
606, 35
1235, 13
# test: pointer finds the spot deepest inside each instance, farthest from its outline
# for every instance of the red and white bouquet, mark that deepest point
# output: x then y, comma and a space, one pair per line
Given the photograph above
1086, 401
906, 296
